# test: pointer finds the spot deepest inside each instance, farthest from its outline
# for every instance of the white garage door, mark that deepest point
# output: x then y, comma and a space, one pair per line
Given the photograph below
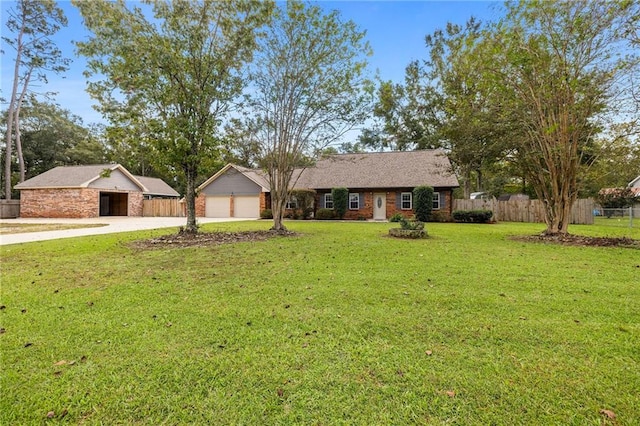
246, 206
217, 206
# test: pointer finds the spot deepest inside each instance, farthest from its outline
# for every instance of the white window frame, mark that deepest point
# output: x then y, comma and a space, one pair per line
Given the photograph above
403, 201
328, 199
436, 201
354, 197
292, 203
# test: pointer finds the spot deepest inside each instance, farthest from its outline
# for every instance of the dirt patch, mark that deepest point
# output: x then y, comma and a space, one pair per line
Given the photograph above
580, 240
206, 239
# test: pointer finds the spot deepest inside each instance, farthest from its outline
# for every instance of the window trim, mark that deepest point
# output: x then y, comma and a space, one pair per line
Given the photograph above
357, 200
291, 204
328, 198
435, 205
402, 201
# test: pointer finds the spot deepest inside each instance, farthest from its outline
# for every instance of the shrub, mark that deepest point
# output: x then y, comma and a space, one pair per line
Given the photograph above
325, 214
472, 216
422, 202
397, 217
304, 202
340, 201
411, 225
438, 216
266, 214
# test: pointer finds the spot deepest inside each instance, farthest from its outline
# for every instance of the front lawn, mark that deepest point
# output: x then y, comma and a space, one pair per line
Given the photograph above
338, 325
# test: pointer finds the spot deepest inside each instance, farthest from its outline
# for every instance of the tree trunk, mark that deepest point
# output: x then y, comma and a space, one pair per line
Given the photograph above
19, 144
190, 199
277, 208
8, 155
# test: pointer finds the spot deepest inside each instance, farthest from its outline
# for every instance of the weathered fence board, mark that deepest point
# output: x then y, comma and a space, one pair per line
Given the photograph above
526, 210
9, 209
162, 208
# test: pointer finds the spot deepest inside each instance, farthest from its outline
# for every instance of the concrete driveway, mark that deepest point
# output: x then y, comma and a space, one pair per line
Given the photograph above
113, 224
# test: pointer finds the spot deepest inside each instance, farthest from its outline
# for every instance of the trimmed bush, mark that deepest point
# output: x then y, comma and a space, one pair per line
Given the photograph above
411, 225
438, 216
266, 214
304, 199
325, 214
422, 202
397, 217
472, 216
340, 201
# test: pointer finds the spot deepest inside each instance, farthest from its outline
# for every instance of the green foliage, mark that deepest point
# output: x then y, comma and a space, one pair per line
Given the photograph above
438, 216
325, 214
170, 80
304, 200
266, 214
616, 198
396, 217
411, 225
340, 201
423, 202
472, 216
309, 88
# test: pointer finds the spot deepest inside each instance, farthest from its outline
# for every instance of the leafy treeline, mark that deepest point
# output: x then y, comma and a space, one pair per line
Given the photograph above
547, 96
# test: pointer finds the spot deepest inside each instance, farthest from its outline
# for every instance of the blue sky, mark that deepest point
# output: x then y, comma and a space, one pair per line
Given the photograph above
395, 30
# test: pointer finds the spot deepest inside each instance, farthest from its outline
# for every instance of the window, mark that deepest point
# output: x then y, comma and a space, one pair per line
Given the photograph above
328, 201
292, 203
436, 201
354, 201
405, 201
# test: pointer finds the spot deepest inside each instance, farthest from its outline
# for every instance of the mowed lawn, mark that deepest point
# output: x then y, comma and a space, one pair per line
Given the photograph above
339, 325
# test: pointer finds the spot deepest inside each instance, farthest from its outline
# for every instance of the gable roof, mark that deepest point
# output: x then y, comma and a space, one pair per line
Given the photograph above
74, 177
257, 176
156, 186
397, 169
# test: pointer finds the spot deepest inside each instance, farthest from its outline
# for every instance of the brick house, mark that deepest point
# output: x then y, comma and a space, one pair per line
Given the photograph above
88, 191
380, 184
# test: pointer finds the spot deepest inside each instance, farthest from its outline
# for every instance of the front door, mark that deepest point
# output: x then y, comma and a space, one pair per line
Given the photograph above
379, 206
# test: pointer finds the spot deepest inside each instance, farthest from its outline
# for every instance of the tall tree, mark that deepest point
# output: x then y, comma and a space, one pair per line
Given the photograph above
31, 24
563, 66
171, 76
308, 91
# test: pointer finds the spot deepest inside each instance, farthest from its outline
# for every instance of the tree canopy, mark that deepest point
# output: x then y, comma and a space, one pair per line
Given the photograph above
168, 73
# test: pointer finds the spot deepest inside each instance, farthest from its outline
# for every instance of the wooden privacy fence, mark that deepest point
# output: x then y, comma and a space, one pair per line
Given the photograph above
162, 208
526, 210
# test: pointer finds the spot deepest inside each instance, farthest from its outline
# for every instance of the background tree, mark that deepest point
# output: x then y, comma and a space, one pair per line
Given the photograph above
172, 77
31, 24
562, 65
307, 91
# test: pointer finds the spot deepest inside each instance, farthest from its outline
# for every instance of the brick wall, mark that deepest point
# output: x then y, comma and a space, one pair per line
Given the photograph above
200, 205
70, 203
60, 203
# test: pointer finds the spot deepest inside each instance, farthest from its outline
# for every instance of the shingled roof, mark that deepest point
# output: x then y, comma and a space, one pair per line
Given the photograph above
398, 169
74, 177
156, 186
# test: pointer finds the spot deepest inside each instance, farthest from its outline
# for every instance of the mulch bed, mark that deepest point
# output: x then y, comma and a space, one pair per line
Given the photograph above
206, 239
580, 240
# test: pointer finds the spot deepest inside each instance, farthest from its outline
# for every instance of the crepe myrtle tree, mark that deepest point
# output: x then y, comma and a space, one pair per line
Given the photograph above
308, 89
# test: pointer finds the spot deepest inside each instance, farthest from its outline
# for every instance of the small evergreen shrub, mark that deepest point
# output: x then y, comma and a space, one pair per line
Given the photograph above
340, 201
325, 214
411, 225
397, 217
422, 202
266, 214
438, 216
472, 216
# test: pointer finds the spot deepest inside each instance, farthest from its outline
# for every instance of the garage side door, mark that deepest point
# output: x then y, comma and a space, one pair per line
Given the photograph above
218, 206
246, 206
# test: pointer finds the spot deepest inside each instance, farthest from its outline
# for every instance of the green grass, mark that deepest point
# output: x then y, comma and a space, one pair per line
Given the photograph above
330, 327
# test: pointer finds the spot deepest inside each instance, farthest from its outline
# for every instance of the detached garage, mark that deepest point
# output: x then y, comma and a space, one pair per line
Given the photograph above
82, 192
233, 192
